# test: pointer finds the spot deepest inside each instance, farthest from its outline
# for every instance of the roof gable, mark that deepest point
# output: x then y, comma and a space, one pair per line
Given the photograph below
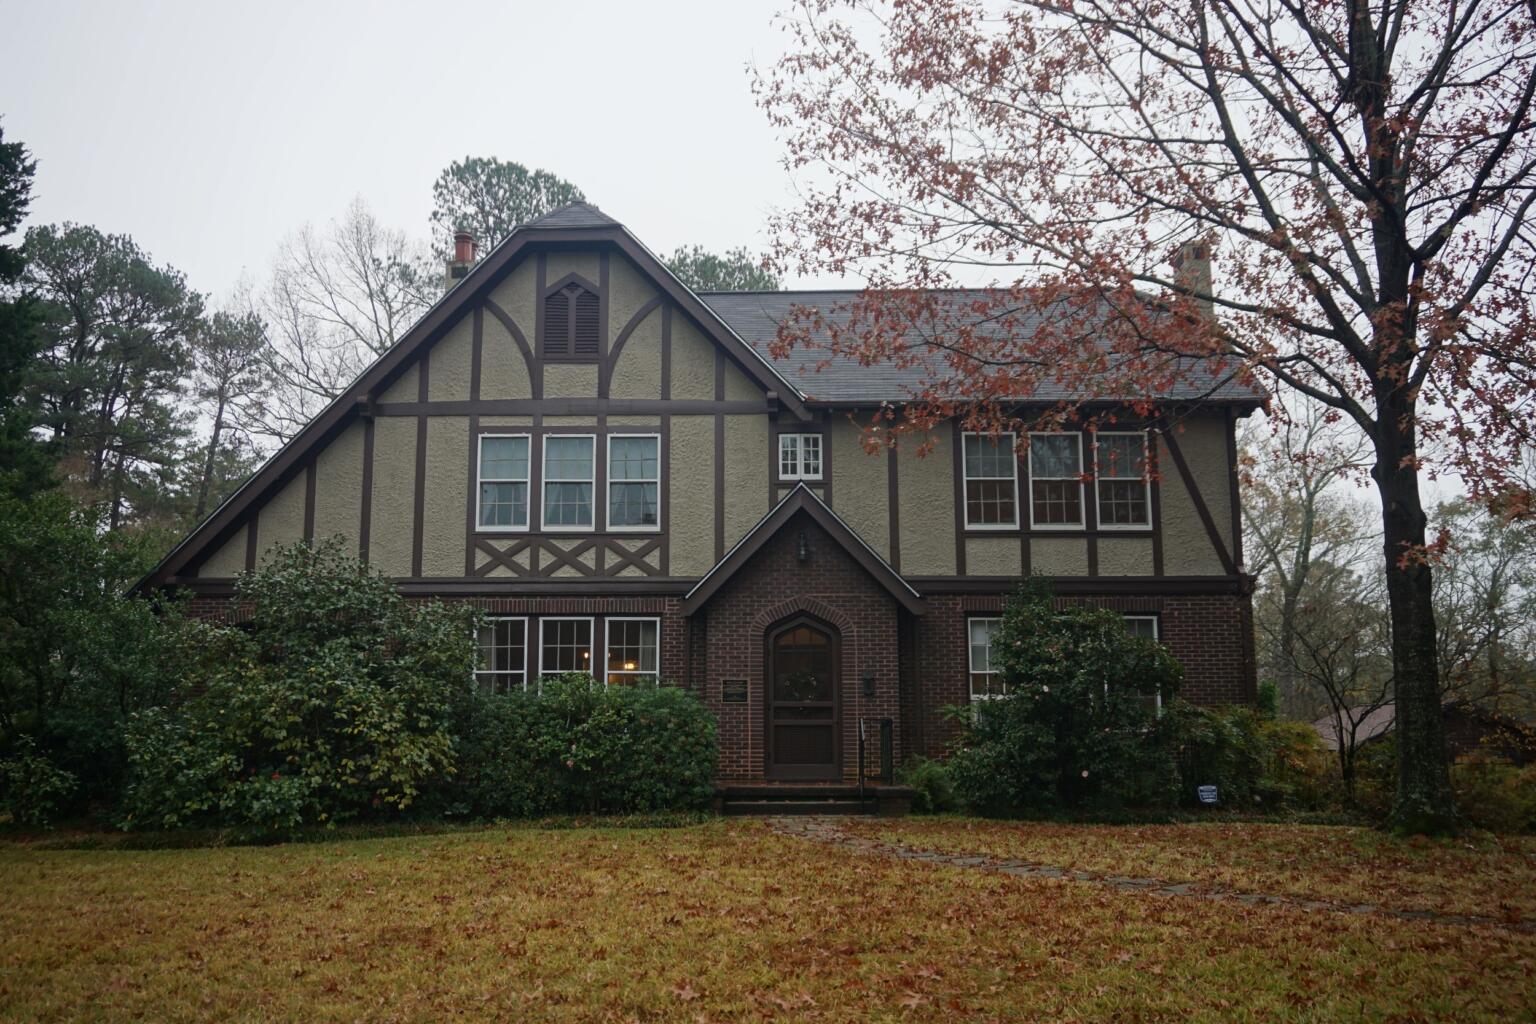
802, 499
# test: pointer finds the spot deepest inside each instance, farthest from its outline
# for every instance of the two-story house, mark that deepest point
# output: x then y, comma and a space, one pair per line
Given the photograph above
622, 476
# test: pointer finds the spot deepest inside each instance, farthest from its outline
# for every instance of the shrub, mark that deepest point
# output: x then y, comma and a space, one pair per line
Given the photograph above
334, 705
1498, 797
1253, 760
1077, 728
934, 788
577, 745
32, 789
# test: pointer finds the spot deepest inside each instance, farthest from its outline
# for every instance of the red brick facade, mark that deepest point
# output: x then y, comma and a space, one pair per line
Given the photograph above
915, 665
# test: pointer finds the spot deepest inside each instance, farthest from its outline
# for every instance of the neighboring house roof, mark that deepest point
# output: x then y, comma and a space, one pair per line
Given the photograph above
1375, 723
802, 499
756, 317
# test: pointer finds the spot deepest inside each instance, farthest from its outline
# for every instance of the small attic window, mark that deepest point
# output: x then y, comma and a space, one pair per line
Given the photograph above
571, 327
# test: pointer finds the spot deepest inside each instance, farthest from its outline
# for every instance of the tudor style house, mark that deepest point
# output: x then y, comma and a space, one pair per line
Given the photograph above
622, 476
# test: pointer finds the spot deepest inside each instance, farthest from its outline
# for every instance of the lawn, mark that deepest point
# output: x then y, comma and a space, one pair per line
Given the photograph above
722, 921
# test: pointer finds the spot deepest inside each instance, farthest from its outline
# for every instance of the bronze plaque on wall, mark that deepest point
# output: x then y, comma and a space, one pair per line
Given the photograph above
733, 691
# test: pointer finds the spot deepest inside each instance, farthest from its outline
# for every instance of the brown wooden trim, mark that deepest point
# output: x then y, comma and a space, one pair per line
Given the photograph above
1180, 586
1155, 496
666, 352
1199, 502
546, 290
365, 512
603, 336
957, 449
499, 557
633, 559
419, 497
572, 407
309, 502
471, 492
476, 348
802, 499
1090, 448
534, 368
666, 495
568, 556
600, 480
719, 487
1234, 498
605, 372
251, 541
893, 506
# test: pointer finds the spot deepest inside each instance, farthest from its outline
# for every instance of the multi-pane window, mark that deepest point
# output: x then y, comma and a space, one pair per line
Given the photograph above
502, 664
632, 650
1055, 480
565, 645
985, 680
634, 481
1145, 626
568, 481
799, 456
1121, 471
990, 482
503, 482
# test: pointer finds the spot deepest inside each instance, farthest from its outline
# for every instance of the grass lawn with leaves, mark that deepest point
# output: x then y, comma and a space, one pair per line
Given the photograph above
1481, 875
721, 921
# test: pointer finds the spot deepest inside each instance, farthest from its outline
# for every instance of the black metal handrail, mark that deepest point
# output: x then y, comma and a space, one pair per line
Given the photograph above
887, 771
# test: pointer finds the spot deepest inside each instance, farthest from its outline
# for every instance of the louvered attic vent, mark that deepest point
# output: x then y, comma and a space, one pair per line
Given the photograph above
571, 323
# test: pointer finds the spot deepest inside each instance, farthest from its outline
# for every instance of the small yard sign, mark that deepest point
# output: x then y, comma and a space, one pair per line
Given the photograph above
1207, 794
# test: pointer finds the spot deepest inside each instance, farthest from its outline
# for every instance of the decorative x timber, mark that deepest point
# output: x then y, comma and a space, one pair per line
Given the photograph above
545, 557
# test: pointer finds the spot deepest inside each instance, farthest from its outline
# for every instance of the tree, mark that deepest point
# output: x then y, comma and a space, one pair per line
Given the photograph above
26, 463
735, 271
336, 300
227, 371
117, 332
489, 197
1365, 170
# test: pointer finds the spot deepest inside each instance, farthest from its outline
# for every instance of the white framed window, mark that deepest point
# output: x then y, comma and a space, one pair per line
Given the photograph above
986, 682
1056, 481
799, 456
1145, 626
991, 482
634, 650
1120, 469
502, 662
634, 482
569, 479
503, 482
565, 645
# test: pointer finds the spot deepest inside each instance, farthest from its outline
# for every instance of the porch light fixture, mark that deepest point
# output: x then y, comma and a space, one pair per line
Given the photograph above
869, 684
802, 548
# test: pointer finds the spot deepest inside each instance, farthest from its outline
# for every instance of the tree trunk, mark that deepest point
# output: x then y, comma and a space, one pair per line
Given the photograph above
208, 460
1425, 802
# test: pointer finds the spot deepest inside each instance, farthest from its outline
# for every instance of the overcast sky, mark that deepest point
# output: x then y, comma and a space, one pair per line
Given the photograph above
209, 130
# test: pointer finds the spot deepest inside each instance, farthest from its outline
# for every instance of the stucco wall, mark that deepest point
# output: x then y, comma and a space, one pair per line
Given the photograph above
1058, 556
394, 487
282, 519
693, 361
746, 466
406, 387
447, 494
859, 485
692, 515
448, 376
503, 370
1125, 556
927, 496
1187, 548
570, 380
637, 374
229, 560
515, 296
339, 488
992, 556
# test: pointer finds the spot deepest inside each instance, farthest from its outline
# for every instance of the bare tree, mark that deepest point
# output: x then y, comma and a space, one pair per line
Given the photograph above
228, 373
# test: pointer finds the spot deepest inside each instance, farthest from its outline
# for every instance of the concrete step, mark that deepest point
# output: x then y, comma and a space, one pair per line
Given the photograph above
796, 807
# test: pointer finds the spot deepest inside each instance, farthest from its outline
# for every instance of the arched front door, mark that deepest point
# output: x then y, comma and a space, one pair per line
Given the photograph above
802, 719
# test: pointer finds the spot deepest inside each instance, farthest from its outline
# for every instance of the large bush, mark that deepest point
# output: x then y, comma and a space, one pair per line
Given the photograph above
1489, 794
577, 745
1254, 761
1078, 726
333, 704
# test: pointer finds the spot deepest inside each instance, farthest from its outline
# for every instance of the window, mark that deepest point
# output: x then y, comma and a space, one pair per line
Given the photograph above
799, 456
990, 483
503, 482
565, 645
632, 650
1145, 626
634, 482
1056, 481
502, 666
985, 680
568, 481
571, 328
1121, 470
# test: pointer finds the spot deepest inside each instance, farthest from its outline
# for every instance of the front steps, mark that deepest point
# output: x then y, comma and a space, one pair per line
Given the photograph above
782, 798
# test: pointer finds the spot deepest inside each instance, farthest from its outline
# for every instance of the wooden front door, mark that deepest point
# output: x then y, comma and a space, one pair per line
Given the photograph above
802, 718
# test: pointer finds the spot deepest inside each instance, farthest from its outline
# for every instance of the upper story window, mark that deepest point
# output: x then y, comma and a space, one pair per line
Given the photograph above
634, 481
569, 479
503, 492
1056, 481
633, 650
991, 484
1121, 470
502, 665
986, 681
799, 456
572, 326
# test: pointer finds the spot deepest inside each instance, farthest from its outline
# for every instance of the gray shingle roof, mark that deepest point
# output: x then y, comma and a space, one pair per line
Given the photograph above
755, 317
574, 215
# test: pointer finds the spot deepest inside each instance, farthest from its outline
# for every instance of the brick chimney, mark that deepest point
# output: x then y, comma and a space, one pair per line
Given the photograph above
1192, 270
463, 258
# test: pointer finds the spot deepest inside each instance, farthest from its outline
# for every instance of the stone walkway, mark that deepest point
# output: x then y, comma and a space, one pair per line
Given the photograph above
827, 829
